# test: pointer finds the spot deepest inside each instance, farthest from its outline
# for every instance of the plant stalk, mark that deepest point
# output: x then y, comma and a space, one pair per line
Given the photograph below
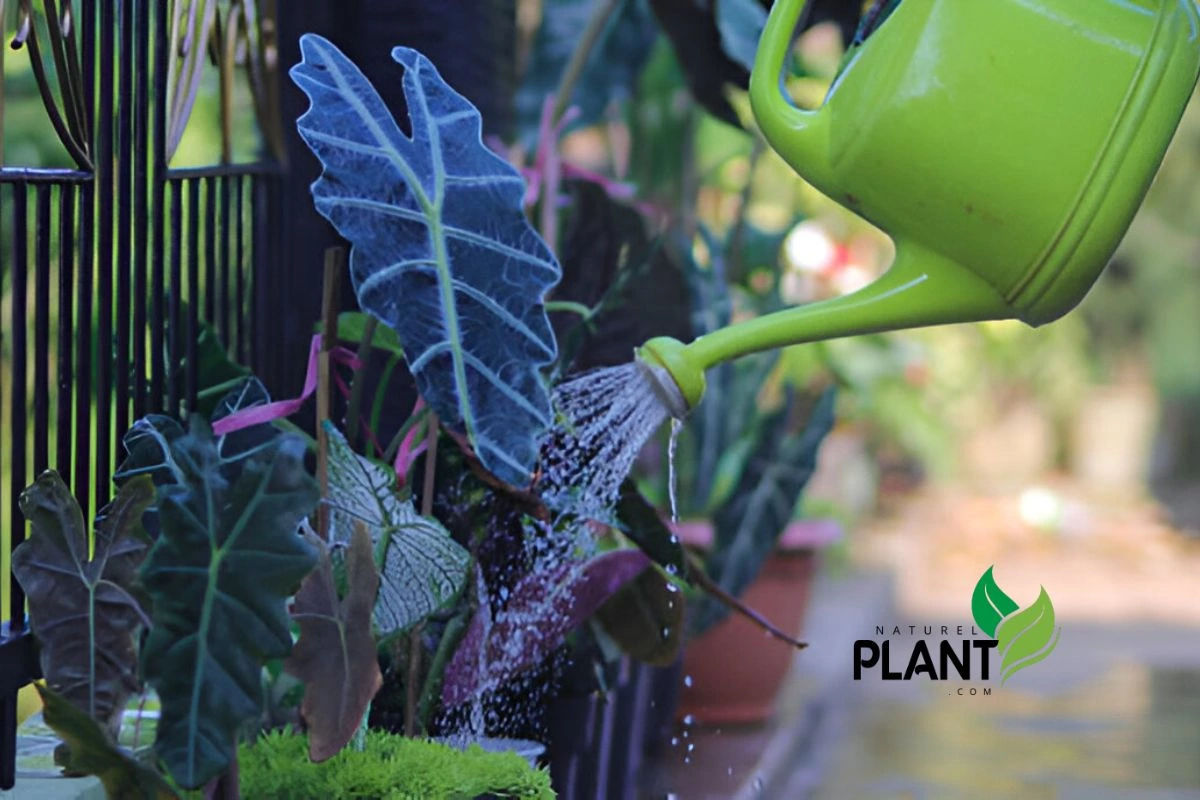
334, 264
353, 410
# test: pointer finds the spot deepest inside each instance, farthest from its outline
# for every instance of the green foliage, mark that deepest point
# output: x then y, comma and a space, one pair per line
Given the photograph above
91, 752
82, 609
441, 249
421, 567
228, 557
390, 768
748, 525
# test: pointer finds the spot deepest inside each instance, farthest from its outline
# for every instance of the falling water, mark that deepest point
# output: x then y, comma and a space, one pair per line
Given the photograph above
676, 427
605, 417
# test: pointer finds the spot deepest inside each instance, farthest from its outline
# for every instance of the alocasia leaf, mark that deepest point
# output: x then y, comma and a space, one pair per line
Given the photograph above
228, 556
542, 609
989, 604
336, 656
81, 609
1026, 636
93, 753
748, 525
421, 567
641, 522
611, 71
441, 249
149, 443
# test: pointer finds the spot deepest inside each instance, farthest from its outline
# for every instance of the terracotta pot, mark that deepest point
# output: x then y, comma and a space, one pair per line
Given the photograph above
733, 671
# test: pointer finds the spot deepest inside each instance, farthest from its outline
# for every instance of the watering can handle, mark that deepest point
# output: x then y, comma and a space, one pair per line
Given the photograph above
772, 106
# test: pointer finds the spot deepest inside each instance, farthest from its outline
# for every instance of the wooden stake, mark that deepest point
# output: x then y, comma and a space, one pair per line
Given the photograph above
335, 262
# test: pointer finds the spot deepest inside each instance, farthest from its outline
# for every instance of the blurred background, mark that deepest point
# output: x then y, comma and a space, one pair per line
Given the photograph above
1068, 457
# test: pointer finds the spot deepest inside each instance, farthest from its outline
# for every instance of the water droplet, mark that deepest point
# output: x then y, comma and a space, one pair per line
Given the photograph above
687, 759
689, 720
691, 746
687, 680
729, 770
672, 587
672, 569
674, 741
665, 633
758, 785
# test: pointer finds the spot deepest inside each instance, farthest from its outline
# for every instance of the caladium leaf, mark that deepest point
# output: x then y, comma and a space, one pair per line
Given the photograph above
749, 524
421, 567
81, 609
92, 752
336, 655
228, 557
441, 249
612, 69
543, 608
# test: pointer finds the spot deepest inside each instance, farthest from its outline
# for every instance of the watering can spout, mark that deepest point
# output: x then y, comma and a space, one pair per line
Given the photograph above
922, 288
800, 134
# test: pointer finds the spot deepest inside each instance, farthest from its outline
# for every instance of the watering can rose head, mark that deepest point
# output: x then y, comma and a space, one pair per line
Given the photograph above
1004, 145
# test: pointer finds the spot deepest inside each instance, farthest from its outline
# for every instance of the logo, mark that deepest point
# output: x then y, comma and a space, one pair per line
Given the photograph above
1021, 637
1024, 636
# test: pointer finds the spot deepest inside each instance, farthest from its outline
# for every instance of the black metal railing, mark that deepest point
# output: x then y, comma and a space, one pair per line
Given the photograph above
108, 266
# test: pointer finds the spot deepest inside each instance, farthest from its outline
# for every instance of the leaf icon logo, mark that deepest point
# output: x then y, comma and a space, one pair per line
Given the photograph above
1027, 636
989, 604
1024, 635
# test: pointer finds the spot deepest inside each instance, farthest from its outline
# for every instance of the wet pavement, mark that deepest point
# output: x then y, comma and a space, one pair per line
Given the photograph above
1112, 714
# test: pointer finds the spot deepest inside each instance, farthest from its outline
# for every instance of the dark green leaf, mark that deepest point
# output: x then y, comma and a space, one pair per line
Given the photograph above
645, 618
220, 573
352, 327
150, 440
441, 248
641, 522
81, 609
750, 522
93, 753
612, 266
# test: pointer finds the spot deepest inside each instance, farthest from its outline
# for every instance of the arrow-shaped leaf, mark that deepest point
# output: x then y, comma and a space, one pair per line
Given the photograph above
228, 557
442, 251
93, 753
81, 609
335, 656
422, 568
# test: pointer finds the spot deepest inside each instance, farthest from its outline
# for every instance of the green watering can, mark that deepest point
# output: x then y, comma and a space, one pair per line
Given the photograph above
1004, 145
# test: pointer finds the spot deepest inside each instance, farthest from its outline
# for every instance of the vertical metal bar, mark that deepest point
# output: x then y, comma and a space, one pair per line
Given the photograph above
66, 287
278, 330
128, 384
41, 330
158, 179
193, 292
175, 296
224, 238
18, 424
8, 741
210, 250
84, 355
239, 265
139, 65
104, 251
258, 288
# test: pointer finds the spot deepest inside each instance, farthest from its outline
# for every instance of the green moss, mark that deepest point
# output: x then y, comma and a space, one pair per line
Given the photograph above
390, 768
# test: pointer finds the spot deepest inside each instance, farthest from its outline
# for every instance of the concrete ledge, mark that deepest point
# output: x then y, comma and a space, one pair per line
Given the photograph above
30, 787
